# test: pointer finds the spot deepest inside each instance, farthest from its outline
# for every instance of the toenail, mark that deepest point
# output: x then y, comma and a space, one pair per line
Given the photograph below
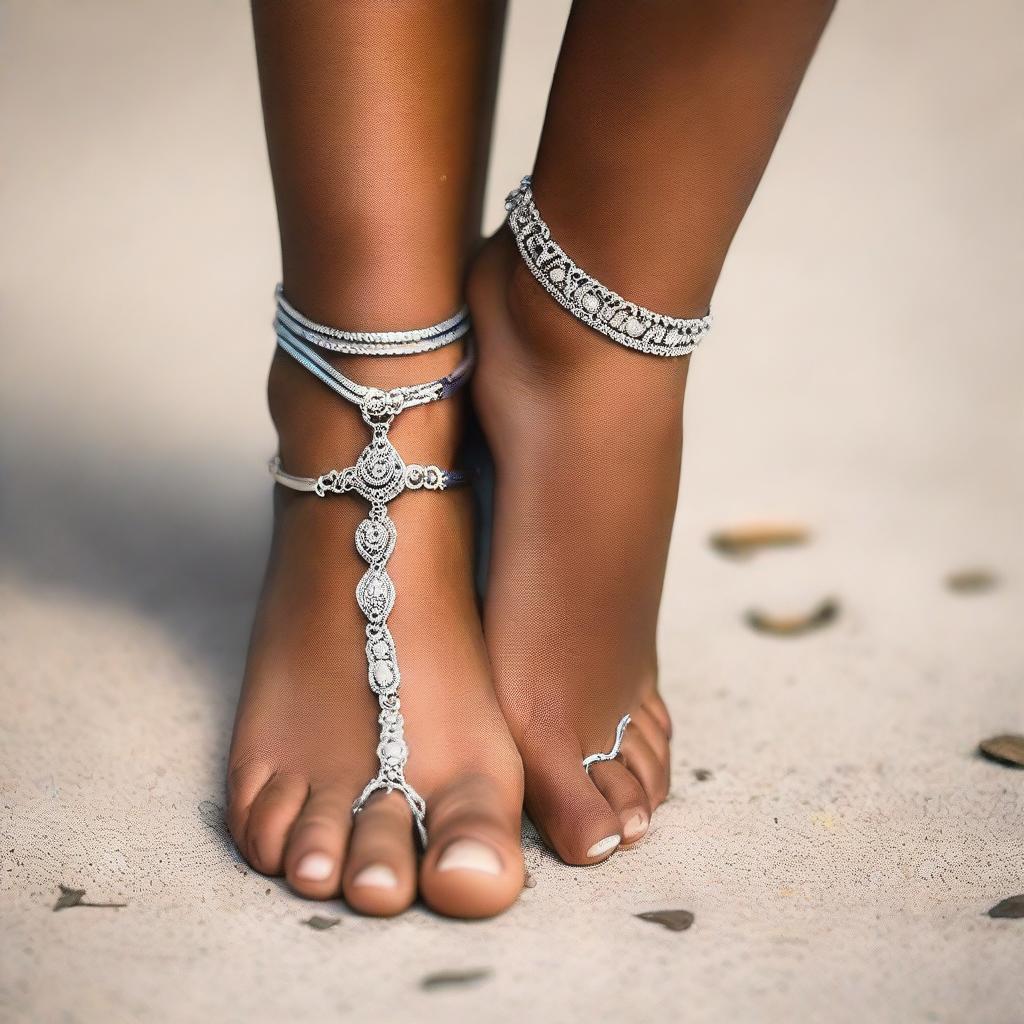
315, 867
378, 876
636, 826
470, 855
604, 846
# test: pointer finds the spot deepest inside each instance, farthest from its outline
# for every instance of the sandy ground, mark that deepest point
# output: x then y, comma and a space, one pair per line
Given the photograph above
864, 377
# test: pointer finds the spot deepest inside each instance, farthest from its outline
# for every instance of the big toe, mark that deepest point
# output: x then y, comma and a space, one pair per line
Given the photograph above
626, 796
577, 820
473, 865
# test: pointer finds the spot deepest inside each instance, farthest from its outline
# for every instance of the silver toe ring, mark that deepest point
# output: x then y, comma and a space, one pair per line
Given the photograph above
620, 731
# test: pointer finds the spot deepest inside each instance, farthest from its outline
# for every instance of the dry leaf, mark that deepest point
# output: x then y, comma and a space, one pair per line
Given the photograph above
211, 814
73, 898
971, 581
319, 923
794, 625
673, 920
443, 979
744, 541
702, 774
68, 898
1006, 749
1012, 906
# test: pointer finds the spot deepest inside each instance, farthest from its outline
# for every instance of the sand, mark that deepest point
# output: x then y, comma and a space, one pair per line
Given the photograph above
864, 378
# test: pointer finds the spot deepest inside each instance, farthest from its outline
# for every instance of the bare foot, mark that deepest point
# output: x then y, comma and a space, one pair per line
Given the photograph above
587, 438
306, 730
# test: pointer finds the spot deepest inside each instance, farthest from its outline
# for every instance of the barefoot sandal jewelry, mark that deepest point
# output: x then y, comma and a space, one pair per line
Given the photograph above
379, 476
598, 307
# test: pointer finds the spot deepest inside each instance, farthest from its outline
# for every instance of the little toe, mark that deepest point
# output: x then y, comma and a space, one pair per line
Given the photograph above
474, 863
652, 731
270, 819
380, 868
569, 810
316, 845
627, 798
657, 707
244, 784
641, 759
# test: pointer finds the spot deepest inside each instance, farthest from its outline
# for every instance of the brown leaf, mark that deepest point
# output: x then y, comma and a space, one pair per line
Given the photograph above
794, 625
673, 920
445, 979
971, 581
319, 923
73, 898
1006, 749
212, 815
744, 541
702, 774
68, 898
1012, 906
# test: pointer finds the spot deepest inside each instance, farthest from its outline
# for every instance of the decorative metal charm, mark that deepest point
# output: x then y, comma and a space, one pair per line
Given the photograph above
586, 298
379, 476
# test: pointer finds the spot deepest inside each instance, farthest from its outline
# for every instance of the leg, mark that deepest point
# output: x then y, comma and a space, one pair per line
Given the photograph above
659, 126
376, 151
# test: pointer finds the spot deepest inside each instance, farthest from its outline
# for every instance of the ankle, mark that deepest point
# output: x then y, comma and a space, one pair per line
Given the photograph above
550, 348
318, 431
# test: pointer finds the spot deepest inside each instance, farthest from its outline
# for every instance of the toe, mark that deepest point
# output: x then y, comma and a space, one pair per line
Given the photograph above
658, 709
627, 798
380, 867
244, 784
567, 807
474, 863
656, 737
641, 759
313, 859
270, 819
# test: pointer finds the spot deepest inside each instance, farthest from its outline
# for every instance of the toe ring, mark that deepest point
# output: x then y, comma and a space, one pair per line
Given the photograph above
620, 731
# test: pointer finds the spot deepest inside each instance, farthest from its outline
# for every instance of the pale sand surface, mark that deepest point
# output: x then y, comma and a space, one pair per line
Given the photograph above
864, 376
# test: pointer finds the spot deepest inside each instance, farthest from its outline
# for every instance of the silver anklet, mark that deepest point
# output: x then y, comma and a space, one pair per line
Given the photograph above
379, 476
371, 343
586, 298
620, 731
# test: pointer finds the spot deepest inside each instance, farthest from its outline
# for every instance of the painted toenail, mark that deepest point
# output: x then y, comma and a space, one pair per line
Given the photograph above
606, 844
377, 876
636, 826
469, 855
315, 867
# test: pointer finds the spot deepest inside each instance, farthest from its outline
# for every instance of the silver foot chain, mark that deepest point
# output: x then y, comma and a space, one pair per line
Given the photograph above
379, 476
620, 731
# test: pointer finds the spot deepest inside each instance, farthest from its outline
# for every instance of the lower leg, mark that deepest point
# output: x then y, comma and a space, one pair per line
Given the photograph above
375, 144
659, 126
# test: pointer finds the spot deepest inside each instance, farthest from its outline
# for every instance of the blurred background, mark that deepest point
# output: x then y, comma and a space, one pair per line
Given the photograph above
831, 827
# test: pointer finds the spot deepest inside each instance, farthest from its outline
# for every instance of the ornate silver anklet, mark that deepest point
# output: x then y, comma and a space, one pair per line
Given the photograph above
586, 298
378, 477
371, 343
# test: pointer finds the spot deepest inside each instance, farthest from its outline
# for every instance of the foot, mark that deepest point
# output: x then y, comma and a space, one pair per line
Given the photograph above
586, 437
306, 729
